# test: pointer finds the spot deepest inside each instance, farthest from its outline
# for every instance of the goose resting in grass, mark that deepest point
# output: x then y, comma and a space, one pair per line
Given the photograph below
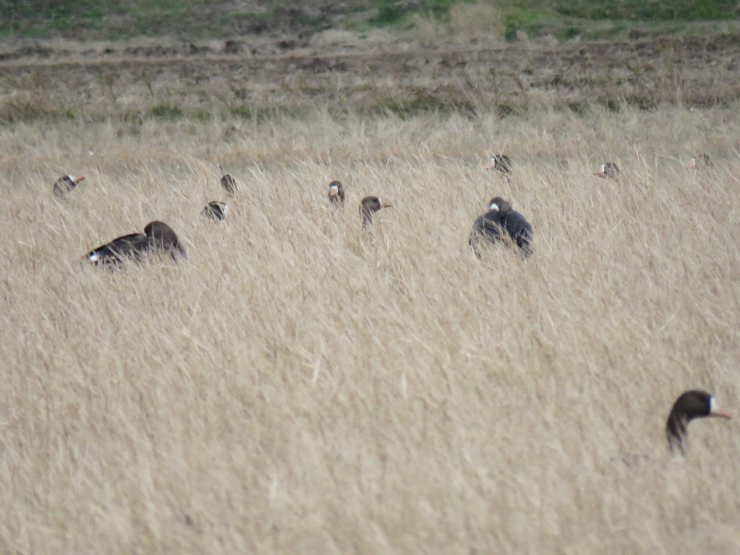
690, 405
66, 183
609, 169
157, 237
336, 193
229, 184
215, 210
500, 162
489, 226
369, 206
701, 162
500, 219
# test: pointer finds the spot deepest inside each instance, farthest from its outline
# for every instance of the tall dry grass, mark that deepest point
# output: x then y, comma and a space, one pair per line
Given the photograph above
300, 385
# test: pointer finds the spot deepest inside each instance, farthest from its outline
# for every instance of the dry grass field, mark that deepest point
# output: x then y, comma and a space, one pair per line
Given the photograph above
300, 385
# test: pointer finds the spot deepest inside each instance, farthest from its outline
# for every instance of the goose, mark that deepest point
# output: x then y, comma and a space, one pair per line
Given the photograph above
689, 405
499, 218
336, 193
229, 184
157, 236
66, 183
215, 210
608, 169
500, 162
703, 161
369, 206
488, 226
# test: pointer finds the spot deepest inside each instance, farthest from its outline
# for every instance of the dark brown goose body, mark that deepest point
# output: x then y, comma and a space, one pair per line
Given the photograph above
608, 169
66, 183
215, 210
131, 246
157, 237
369, 206
499, 218
162, 237
336, 193
229, 184
689, 405
488, 227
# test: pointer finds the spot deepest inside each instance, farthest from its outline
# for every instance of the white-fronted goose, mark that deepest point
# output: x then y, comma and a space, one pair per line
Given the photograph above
66, 183
689, 405
336, 193
701, 162
499, 218
609, 169
229, 184
369, 206
488, 227
215, 210
500, 162
157, 236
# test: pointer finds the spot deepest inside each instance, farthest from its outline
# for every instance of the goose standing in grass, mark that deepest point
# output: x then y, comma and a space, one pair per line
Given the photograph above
66, 183
501, 163
701, 162
215, 210
229, 185
157, 237
690, 405
369, 206
336, 193
502, 218
608, 169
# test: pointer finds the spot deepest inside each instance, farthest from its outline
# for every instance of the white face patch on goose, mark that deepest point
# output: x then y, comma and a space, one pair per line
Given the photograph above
93, 257
226, 209
494, 162
380, 202
493, 206
71, 178
712, 405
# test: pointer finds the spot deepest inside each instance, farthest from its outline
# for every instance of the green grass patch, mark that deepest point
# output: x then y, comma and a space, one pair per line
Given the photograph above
394, 13
193, 19
640, 10
529, 20
166, 111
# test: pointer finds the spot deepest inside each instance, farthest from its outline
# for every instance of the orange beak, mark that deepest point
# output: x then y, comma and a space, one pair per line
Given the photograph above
77, 179
385, 204
691, 164
490, 167
720, 414
333, 192
600, 173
